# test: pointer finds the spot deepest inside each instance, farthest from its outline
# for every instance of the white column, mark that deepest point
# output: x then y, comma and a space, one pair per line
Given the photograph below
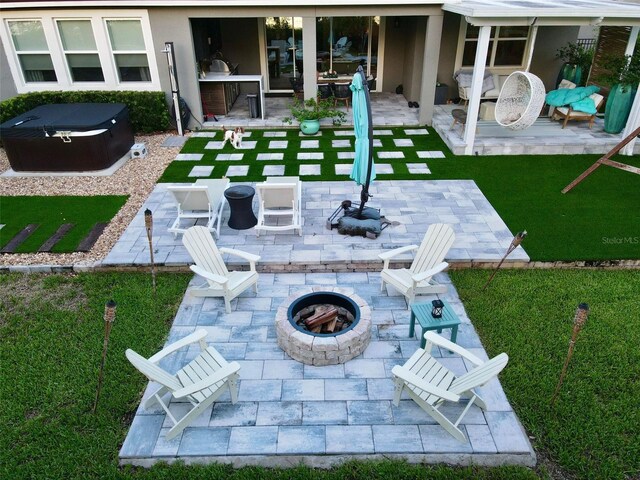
633, 121
430, 59
309, 57
532, 43
476, 89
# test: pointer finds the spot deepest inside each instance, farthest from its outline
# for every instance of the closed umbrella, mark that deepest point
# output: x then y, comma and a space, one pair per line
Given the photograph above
363, 171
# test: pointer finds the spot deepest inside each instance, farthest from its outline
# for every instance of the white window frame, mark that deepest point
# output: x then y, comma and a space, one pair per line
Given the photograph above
113, 52
98, 20
462, 37
16, 55
75, 52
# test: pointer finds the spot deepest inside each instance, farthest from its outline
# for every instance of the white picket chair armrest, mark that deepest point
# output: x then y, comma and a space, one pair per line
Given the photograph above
208, 275
194, 337
434, 339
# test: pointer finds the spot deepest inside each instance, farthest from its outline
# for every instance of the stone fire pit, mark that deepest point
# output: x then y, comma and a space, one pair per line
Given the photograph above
323, 348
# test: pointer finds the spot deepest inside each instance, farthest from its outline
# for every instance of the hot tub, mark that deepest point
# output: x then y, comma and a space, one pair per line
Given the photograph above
73, 137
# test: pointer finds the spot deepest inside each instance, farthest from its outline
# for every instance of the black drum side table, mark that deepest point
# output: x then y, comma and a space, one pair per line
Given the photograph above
240, 198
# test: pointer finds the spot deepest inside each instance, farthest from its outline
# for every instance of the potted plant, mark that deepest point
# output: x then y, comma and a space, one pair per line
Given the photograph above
577, 60
311, 111
623, 78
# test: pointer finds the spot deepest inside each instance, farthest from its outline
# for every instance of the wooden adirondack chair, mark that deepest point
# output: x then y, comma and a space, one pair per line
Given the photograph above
416, 280
429, 383
280, 198
209, 264
200, 382
203, 199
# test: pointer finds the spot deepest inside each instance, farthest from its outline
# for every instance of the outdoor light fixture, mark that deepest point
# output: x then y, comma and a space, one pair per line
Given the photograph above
436, 310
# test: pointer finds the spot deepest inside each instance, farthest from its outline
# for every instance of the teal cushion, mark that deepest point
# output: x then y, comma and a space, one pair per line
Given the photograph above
586, 105
566, 96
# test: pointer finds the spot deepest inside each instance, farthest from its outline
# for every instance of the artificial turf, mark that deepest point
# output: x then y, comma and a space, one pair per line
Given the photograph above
599, 220
51, 212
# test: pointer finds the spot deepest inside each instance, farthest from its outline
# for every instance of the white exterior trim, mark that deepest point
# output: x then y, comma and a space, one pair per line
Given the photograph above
210, 3
98, 20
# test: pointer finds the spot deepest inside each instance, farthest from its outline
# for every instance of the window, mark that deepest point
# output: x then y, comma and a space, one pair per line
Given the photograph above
507, 46
31, 47
80, 50
128, 48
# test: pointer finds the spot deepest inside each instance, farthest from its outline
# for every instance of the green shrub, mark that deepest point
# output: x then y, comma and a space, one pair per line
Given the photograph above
147, 110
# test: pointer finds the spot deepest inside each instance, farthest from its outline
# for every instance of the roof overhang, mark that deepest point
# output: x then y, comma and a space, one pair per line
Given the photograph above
33, 4
546, 12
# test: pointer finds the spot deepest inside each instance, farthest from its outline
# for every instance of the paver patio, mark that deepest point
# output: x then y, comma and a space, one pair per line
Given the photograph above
481, 235
289, 412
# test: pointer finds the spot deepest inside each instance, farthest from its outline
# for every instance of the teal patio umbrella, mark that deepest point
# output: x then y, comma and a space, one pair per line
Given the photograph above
363, 171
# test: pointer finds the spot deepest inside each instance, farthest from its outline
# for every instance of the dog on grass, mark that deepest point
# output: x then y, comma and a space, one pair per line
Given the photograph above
233, 136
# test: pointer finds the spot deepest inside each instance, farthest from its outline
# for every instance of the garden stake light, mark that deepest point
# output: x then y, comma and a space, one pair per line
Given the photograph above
517, 240
109, 318
148, 223
578, 322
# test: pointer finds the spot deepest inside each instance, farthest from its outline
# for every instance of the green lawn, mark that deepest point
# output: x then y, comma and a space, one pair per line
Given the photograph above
598, 220
51, 212
51, 333
593, 430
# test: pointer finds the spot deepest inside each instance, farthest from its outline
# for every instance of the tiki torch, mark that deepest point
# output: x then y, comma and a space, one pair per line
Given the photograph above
109, 318
578, 322
148, 223
517, 240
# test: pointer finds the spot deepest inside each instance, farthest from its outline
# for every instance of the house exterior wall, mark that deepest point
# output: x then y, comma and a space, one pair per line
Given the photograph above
448, 46
7, 87
415, 31
544, 63
394, 46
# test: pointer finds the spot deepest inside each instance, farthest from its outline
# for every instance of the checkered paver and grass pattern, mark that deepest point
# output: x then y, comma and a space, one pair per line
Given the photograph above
399, 153
287, 411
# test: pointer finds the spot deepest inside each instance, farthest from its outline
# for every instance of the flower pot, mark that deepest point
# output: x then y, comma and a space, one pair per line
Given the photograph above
571, 72
310, 127
618, 107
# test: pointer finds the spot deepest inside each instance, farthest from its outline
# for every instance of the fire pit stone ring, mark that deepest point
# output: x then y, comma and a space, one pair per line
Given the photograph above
324, 349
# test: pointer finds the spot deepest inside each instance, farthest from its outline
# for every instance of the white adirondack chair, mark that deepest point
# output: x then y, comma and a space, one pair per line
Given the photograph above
209, 264
280, 198
203, 199
429, 383
200, 382
416, 280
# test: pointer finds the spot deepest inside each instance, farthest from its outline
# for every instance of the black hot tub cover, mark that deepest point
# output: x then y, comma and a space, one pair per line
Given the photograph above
75, 117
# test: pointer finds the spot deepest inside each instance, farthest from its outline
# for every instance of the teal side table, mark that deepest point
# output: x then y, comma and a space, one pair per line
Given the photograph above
422, 313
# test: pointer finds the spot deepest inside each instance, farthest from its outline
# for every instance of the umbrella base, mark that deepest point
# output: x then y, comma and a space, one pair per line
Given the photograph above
369, 225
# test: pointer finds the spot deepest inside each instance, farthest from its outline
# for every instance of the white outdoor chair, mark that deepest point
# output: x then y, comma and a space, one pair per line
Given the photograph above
203, 199
279, 198
209, 264
429, 383
200, 382
416, 280
564, 83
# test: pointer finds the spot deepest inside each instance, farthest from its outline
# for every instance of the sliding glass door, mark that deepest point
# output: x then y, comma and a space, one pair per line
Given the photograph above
284, 51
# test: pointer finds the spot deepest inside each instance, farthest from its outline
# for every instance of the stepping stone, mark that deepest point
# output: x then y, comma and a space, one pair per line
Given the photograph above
174, 141
418, 168
437, 154
278, 144
310, 156
416, 131
213, 146
341, 143
56, 237
346, 155
204, 134
270, 170
344, 168
309, 169
382, 132
248, 145
92, 237
344, 133
383, 168
319, 134
237, 170
274, 134
229, 156
390, 155
403, 142
431, 154
377, 143
188, 157
270, 156
246, 134
19, 238
200, 171
309, 144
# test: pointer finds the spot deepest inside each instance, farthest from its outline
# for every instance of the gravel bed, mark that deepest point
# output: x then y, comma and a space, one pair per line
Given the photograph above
135, 178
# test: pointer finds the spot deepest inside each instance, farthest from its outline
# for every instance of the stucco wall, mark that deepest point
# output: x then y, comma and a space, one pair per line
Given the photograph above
448, 45
394, 53
7, 87
413, 57
544, 64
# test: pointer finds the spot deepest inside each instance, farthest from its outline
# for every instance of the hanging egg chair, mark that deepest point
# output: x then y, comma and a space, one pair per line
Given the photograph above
520, 101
